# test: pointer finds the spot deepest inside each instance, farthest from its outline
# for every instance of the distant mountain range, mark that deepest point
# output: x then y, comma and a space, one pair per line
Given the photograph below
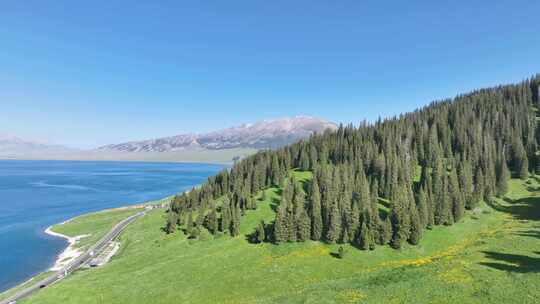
266, 134
218, 146
15, 146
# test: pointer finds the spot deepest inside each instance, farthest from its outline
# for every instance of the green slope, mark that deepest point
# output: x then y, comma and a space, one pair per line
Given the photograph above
491, 256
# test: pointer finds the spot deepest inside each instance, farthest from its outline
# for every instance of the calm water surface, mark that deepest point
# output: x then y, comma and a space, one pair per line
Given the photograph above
37, 194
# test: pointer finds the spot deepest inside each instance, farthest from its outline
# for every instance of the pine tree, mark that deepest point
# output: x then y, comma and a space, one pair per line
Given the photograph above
282, 224
316, 216
466, 183
385, 233
355, 216
275, 172
304, 226
524, 168
304, 161
190, 224
416, 226
211, 221
200, 216
225, 216
421, 204
235, 224
503, 175
364, 241
302, 221
401, 221
334, 225
260, 236
172, 218
456, 197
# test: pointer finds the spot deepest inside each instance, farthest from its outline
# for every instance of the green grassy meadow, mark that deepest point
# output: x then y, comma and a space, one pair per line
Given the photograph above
491, 256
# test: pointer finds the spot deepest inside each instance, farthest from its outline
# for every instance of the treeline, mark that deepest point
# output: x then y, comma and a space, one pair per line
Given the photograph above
380, 183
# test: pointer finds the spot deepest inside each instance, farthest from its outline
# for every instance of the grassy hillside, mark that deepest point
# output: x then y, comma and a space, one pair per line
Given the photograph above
491, 256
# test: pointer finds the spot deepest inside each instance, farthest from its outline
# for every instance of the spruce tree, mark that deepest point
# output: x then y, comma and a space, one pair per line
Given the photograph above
364, 241
280, 224
190, 223
304, 225
284, 223
200, 217
385, 233
301, 221
524, 167
421, 204
211, 221
334, 226
503, 175
316, 216
466, 183
416, 226
172, 218
478, 193
225, 223
235, 224
260, 233
401, 221
456, 197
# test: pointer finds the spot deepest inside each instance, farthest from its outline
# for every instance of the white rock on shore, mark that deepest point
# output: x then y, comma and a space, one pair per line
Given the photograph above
70, 253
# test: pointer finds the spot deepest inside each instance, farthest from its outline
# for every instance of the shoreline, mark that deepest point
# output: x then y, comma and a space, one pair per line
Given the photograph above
70, 252
157, 161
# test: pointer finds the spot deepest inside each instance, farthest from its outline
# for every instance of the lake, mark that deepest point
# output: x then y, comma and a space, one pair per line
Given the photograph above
37, 194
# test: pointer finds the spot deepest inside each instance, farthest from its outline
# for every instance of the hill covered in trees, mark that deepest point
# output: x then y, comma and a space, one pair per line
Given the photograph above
381, 183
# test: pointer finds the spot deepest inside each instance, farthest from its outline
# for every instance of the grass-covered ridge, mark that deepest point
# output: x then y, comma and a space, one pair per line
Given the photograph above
490, 256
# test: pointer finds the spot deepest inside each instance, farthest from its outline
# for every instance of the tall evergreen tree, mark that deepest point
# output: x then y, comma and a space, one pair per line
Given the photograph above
416, 226
316, 215
211, 221
364, 241
172, 218
334, 225
235, 223
401, 221
466, 183
421, 204
190, 225
260, 235
225, 223
503, 175
456, 197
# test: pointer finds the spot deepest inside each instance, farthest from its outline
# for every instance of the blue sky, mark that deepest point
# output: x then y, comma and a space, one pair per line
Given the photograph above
91, 73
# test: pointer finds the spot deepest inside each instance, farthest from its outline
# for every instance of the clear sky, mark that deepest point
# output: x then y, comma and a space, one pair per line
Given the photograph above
91, 73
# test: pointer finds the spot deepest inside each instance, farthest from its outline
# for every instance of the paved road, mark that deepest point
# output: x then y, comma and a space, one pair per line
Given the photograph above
76, 263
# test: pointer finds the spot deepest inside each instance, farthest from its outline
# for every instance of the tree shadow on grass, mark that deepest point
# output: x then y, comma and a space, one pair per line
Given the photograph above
335, 255
268, 232
274, 203
529, 233
527, 208
536, 178
512, 262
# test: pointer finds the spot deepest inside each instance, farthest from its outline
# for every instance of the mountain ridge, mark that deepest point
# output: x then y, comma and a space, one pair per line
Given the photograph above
14, 145
265, 134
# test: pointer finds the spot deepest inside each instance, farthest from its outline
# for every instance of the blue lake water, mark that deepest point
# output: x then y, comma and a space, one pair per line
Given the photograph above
37, 194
